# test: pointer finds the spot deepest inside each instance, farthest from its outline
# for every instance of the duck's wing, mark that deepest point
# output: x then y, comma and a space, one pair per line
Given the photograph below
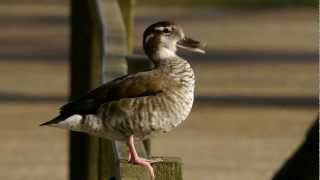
130, 86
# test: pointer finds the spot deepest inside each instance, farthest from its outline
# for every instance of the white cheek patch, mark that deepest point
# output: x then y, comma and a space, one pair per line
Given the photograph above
148, 38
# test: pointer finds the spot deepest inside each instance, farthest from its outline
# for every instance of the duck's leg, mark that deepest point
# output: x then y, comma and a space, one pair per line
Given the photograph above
135, 159
129, 155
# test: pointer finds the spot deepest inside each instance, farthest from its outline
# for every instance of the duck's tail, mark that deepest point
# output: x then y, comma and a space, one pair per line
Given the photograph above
55, 120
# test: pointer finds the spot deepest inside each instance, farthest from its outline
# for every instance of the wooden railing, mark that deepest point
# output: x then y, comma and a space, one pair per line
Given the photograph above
100, 42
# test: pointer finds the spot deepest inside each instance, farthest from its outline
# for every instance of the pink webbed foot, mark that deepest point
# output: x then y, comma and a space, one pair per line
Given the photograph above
134, 158
143, 162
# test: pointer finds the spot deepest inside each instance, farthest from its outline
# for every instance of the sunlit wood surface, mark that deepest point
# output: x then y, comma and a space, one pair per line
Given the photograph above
251, 54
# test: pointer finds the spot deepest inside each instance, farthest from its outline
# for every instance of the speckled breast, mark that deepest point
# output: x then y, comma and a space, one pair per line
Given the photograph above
146, 116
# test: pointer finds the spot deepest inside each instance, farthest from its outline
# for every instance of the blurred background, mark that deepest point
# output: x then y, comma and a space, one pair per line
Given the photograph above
256, 92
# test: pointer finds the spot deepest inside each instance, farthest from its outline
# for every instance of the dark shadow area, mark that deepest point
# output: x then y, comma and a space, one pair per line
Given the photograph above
303, 164
6, 97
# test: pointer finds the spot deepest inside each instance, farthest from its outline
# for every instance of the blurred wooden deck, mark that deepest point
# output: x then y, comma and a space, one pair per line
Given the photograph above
254, 57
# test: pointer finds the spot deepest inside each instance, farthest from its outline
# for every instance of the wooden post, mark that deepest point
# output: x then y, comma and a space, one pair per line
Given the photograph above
80, 84
127, 11
87, 60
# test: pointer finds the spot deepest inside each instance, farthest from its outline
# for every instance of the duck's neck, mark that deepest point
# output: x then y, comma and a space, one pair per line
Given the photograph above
165, 57
165, 53
178, 68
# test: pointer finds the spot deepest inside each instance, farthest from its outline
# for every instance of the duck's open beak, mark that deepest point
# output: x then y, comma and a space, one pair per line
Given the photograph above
191, 45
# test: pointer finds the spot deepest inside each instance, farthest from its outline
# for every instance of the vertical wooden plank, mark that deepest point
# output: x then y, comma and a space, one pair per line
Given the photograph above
92, 63
127, 11
86, 74
114, 49
96, 62
80, 84
113, 40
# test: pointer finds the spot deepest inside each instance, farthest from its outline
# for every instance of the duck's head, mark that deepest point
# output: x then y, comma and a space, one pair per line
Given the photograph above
161, 40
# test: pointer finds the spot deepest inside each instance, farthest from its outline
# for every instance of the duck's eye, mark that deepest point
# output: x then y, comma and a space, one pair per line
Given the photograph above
166, 30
